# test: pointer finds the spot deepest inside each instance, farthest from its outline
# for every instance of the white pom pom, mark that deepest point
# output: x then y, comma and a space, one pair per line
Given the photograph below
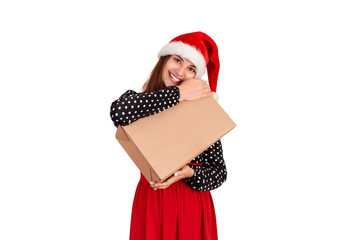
216, 96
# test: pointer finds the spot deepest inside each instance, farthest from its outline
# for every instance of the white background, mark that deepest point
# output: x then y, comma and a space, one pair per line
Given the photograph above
289, 78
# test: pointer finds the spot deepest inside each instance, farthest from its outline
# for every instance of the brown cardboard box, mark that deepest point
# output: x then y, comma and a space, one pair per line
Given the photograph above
163, 143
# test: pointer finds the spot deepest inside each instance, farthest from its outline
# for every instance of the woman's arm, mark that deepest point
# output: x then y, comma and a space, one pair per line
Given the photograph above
132, 106
212, 173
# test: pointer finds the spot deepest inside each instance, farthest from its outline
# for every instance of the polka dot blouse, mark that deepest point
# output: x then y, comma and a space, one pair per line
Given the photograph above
209, 167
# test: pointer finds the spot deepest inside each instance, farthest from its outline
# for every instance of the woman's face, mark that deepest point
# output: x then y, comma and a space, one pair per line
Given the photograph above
176, 70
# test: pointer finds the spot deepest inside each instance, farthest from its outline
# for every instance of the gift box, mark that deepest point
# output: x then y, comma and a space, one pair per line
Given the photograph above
163, 143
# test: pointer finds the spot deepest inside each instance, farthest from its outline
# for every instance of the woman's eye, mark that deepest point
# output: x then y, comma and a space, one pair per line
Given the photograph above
192, 70
177, 60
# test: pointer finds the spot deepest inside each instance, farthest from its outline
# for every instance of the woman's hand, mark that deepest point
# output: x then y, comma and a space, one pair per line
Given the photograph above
184, 172
194, 89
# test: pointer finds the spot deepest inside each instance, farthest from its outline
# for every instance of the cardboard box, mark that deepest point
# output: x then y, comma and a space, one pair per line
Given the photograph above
163, 143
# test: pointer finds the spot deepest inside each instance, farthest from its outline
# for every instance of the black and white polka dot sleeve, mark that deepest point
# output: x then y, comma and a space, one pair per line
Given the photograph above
210, 169
132, 106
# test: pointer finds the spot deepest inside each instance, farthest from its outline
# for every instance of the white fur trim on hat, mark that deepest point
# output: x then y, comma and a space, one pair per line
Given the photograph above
216, 96
186, 51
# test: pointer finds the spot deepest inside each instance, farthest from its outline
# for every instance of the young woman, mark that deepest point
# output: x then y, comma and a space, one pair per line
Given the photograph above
180, 208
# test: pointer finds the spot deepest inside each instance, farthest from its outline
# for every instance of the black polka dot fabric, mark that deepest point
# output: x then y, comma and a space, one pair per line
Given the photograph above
132, 106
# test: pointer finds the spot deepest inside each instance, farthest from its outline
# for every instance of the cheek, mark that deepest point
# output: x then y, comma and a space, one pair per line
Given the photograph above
164, 77
190, 75
164, 73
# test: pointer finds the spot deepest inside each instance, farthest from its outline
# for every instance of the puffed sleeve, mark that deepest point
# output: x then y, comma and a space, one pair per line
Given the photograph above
212, 173
132, 106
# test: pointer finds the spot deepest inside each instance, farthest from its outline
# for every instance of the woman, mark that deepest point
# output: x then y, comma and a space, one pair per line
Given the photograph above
181, 207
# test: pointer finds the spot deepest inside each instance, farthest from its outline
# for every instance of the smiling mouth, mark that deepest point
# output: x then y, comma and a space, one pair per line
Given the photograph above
174, 79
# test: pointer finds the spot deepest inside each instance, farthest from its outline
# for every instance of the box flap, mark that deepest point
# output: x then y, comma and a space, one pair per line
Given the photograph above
120, 134
134, 153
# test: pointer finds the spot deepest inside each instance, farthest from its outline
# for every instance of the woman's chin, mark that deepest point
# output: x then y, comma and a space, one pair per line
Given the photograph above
169, 83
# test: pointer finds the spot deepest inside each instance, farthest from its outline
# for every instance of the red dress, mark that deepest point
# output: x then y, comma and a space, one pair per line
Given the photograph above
176, 213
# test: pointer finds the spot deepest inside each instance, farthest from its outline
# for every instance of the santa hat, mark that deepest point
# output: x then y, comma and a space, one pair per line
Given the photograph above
201, 50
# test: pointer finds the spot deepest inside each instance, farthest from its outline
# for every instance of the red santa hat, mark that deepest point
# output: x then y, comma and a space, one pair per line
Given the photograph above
198, 48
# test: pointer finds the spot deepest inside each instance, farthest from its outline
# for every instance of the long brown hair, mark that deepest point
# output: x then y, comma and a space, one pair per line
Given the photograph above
155, 81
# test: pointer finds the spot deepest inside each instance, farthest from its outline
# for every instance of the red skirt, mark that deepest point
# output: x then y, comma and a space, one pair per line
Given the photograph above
176, 213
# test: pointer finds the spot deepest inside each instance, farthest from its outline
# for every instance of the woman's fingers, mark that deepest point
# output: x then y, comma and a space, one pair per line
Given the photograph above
167, 183
163, 185
193, 89
207, 94
184, 172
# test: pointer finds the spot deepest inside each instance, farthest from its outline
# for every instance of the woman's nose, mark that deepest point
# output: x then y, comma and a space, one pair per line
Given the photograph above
181, 71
